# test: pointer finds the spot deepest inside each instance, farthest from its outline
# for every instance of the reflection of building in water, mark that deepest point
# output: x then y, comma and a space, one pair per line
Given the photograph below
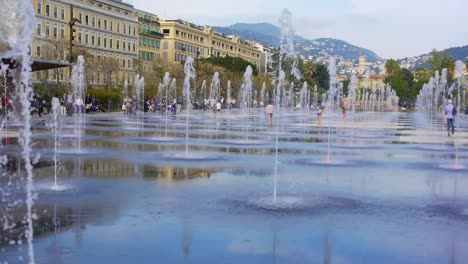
176, 174
116, 169
108, 168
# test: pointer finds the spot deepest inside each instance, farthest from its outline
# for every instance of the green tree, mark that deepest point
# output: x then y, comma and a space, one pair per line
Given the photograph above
392, 67
435, 61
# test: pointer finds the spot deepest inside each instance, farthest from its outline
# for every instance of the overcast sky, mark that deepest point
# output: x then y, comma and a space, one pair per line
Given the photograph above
391, 28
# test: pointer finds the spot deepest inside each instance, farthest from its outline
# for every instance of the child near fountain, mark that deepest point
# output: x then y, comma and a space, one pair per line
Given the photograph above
269, 109
320, 115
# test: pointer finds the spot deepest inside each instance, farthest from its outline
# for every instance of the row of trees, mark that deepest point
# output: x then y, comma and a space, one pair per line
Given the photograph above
408, 84
105, 72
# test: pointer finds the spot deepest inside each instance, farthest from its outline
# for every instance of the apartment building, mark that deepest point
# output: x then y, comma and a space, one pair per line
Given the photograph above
183, 39
108, 29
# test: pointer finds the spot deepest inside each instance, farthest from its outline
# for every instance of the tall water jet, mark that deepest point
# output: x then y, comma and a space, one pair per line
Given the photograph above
140, 94
139, 83
365, 91
165, 86
229, 94
125, 88
55, 112
303, 96
333, 96
247, 88
286, 51
247, 94
189, 74
203, 91
215, 88
79, 86
262, 94
173, 92
16, 34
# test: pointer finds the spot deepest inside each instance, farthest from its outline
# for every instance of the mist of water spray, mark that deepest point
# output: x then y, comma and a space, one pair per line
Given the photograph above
16, 33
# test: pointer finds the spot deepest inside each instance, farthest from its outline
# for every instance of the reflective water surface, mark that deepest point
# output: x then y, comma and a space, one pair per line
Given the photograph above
375, 188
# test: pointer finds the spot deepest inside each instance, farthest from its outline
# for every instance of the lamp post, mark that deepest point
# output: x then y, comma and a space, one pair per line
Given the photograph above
196, 68
71, 24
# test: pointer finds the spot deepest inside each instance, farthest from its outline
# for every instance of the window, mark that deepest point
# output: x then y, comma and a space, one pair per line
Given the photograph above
134, 47
87, 20
38, 29
110, 43
47, 30
105, 42
123, 46
39, 7
125, 28
47, 9
62, 32
86, 39
79, 37
118, 44
129, 29
38, 51
118, 27
129, 46
55, 11
62, 14
92, 40
99, 41
99, 23
105, 24
80, 16
112, 25
94, 21
166, 31
129, 66
123, 63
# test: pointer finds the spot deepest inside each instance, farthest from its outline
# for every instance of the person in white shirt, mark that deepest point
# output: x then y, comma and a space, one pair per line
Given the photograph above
218, 106
269, 109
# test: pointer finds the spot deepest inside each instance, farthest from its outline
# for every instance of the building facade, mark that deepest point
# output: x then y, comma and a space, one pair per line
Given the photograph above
150, 36
183, 39
106, 29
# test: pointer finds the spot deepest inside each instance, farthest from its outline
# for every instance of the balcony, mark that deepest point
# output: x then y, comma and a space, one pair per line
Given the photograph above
152, 33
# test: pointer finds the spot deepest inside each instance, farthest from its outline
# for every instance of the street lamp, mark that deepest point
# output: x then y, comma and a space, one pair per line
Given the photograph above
196, 69
72, 22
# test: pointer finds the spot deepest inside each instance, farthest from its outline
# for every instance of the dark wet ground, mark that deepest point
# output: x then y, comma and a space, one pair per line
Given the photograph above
378, 188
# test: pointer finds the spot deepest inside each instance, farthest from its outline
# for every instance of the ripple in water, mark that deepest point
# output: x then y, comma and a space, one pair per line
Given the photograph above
325, 163
49, 187
182, 156
452, 167
315, 204
242, 142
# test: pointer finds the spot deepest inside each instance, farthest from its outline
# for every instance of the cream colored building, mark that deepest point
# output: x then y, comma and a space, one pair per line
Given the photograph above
183, 39
108, 29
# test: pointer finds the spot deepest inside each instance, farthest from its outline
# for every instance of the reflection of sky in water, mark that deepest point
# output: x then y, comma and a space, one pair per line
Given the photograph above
136, 199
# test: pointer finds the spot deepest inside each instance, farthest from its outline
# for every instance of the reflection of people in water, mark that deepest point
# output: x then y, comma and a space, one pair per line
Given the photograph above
320, 115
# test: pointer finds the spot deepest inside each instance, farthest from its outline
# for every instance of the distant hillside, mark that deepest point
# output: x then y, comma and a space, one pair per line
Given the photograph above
457, 53
270, 35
